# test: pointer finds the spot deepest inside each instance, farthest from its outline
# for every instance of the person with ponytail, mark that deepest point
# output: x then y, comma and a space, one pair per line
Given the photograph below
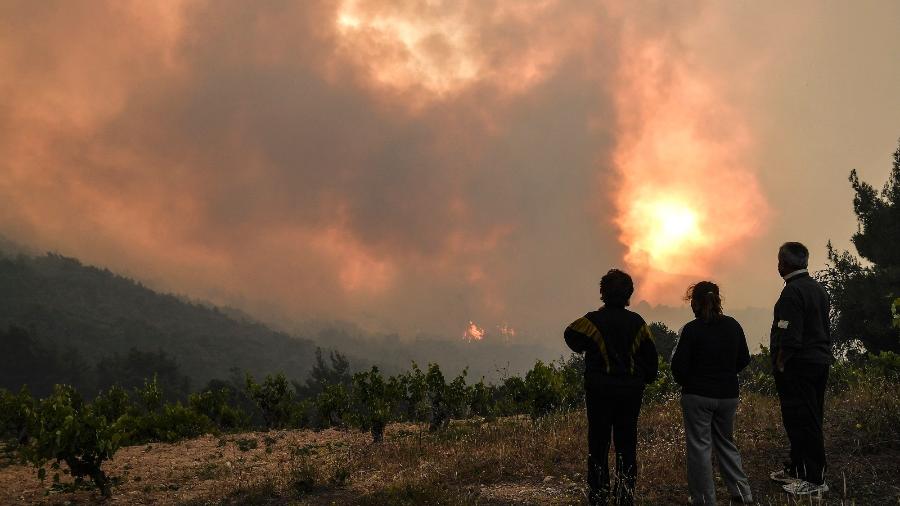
710, 353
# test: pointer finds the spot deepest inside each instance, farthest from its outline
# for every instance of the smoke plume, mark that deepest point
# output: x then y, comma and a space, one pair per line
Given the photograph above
412, 166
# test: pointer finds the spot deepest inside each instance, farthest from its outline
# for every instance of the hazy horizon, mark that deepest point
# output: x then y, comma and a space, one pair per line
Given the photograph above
755, 321
420, 167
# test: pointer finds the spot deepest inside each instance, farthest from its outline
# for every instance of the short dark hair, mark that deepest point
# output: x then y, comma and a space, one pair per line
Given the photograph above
616, 288
705, 300
794, 255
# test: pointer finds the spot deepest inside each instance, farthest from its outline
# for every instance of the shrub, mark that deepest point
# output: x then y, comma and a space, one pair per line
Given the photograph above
435, 392
302, 414
414, 404
512, 398
112, 404
176, 422
373, 401
845, 374
217, 405
151, 396
544, 389
757, 376
274, 399
549, 387
457, 395
868, 369
482, 402
150, 419
572, 371
886, 364
664, 387
245, 444
65, 429
16, 411
868, 413
331, 405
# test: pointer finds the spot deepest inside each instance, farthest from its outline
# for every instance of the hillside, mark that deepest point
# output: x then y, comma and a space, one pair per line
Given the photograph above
70, 306
508, 461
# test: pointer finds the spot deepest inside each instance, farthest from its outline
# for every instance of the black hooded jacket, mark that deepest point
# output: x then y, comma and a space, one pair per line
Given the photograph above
619, 353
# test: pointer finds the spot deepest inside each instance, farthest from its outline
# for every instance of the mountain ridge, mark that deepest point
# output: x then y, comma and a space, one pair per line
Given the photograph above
99, 313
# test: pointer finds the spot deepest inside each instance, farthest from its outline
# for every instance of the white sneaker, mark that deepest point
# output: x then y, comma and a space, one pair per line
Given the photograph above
801, 487
783, 477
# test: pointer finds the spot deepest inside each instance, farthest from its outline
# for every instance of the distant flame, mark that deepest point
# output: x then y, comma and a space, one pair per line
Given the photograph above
506, 331
473, 332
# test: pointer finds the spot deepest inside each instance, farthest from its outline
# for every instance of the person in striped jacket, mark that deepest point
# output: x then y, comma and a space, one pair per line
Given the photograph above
620, 359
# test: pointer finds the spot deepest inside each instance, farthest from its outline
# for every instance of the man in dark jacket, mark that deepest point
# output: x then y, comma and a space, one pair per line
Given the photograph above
801, 352
620, 358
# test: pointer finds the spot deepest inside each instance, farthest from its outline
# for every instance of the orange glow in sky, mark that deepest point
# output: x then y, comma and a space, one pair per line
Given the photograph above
687, 196
407, 47
416, 165
670, 232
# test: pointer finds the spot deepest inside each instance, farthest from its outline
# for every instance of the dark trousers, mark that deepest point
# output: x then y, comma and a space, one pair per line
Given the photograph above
616, 414
801, 390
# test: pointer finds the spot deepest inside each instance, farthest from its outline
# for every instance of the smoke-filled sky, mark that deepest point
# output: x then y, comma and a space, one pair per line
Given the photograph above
412, 166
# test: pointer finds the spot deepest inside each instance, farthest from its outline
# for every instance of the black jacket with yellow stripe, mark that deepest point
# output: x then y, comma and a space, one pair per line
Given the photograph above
619, 353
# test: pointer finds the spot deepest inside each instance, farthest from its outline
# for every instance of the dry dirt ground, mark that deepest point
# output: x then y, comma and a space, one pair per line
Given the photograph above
259, 468
506, 461
206, 468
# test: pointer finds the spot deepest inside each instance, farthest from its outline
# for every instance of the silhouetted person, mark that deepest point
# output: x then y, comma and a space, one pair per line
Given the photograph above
620, 358
801, 354
711, 351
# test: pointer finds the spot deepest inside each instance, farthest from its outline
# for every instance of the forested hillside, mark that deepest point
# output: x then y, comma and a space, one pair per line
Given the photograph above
58, 317
65, 322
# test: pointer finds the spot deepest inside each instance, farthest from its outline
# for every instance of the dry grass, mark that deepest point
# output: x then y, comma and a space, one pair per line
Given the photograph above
507, 461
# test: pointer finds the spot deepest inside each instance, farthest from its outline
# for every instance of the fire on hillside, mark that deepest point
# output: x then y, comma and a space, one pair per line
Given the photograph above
474, 332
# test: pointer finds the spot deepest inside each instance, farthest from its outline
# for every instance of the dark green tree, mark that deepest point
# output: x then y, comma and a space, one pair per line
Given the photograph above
334, 372
131, 370
863, 291
665, 339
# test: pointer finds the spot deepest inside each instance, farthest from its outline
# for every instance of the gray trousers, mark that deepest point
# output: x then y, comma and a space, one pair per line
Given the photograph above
708, 425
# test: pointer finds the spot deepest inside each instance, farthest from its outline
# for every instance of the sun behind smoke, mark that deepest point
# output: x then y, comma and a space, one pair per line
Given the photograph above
669, 237
688, 199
